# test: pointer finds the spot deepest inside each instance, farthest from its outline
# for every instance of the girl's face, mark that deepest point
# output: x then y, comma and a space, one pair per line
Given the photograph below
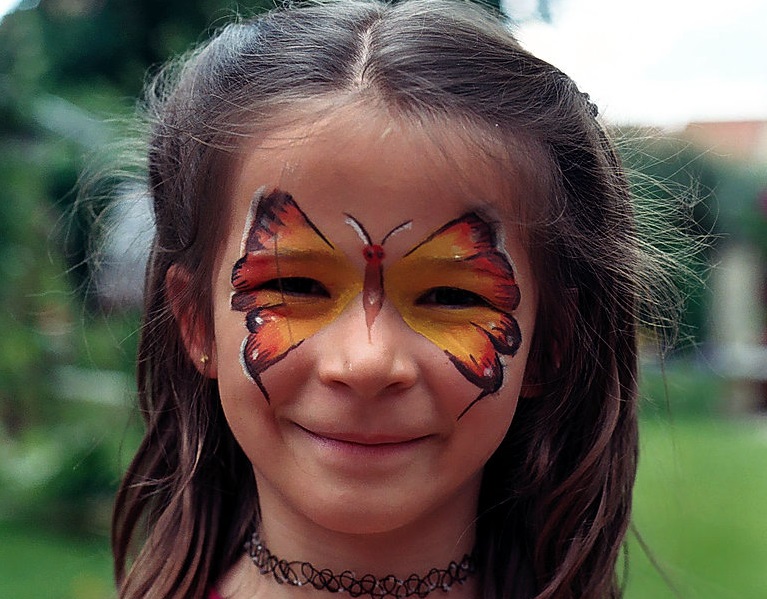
372, 320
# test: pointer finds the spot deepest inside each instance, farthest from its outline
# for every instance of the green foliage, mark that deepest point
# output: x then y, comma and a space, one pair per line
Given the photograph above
37, 316
690, 391
742, 198
64, 475
65, 68
704, 197
66, 43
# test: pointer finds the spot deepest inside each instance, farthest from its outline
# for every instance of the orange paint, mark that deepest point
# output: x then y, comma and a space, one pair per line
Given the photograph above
461, 259
456, 288
284, 253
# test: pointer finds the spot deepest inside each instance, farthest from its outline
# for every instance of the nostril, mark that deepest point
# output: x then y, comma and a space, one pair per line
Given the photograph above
368, 361
369, 372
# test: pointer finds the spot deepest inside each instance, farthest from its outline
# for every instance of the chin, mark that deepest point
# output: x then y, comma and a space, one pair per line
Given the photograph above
381, 511
363, 515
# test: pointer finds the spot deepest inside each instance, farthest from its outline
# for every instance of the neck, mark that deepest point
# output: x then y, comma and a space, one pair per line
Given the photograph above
446, 535
305, 574
241, 583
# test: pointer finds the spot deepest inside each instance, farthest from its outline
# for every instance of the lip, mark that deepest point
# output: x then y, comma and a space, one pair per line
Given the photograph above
364, 443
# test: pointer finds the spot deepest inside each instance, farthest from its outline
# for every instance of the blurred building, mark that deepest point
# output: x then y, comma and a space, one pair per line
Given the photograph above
741, 141
739, 281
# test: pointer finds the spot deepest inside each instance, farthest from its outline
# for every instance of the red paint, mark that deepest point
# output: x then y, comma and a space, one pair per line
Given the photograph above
372, 289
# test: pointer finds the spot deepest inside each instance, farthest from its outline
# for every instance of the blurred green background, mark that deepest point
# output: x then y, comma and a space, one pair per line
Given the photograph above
70, 73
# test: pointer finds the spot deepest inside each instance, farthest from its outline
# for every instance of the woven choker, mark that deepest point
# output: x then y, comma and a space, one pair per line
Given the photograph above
301, 574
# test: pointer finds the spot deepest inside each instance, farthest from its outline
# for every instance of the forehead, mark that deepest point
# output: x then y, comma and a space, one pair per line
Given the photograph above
383, 170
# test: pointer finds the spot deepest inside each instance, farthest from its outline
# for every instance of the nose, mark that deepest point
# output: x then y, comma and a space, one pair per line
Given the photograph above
370, 362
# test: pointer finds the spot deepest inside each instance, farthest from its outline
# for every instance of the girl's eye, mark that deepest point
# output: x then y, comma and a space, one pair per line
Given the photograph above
296, 286
451, 297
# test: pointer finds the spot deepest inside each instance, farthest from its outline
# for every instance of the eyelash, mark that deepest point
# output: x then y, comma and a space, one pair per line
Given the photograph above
451, 297
296, 286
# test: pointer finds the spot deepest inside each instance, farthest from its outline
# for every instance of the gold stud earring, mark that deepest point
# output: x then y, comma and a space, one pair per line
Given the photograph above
204, 359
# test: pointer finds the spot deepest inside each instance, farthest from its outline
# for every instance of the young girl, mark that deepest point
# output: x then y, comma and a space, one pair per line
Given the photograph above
390, 337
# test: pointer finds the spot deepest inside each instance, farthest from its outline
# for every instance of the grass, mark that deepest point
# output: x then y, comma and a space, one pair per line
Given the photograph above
47, 565
701, 506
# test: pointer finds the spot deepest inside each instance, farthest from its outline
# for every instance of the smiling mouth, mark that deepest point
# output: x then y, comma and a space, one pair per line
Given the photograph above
371, 441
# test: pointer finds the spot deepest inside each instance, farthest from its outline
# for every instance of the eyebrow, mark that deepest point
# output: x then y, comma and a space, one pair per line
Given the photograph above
467, 264
473, 264
446, 260
283, 252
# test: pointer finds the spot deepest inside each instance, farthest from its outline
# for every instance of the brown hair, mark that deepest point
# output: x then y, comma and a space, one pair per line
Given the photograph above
557, 493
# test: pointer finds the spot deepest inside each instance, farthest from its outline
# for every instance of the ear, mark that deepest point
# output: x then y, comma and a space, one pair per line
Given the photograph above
198, 341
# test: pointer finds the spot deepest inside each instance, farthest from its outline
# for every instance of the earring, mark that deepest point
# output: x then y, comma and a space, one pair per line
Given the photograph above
204, 359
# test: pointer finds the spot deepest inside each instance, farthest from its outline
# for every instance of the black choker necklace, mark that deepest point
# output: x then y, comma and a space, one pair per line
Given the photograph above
303, 574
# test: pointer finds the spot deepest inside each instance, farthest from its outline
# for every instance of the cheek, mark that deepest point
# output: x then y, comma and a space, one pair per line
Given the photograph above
451, 390
251, 419
238, 389
483, 427
241, 399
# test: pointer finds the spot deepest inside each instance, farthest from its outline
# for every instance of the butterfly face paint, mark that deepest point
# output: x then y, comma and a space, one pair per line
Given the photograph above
456, 288
290, 282
373, 286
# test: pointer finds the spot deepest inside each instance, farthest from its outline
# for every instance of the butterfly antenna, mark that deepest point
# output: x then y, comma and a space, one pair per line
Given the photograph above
398, 229
358, 228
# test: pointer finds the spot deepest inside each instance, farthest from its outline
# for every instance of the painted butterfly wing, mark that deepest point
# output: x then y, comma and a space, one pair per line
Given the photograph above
461, 260
281, 247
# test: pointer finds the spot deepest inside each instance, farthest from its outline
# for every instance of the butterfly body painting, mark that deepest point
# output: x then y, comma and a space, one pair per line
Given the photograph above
456, 288
282, 249
476, 328
374, 254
